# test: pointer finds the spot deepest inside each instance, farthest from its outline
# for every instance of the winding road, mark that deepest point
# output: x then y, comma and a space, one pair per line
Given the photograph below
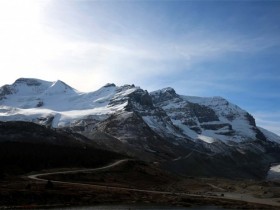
36, 176
39, 177
226, 195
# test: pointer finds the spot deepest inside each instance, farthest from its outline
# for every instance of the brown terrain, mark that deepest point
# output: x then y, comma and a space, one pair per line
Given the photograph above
129, 181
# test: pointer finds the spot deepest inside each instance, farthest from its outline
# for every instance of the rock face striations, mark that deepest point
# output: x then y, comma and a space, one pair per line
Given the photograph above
190, 135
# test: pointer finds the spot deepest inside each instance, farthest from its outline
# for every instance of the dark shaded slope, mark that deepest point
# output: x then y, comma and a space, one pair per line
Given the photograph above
26, 147
28, 132
132, 136
248, 164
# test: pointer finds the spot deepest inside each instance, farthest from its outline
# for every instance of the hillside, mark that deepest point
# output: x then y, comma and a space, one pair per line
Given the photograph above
26, 147
215, 135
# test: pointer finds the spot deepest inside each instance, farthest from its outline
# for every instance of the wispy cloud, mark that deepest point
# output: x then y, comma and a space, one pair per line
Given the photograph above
101, 44
90, 43
141, 57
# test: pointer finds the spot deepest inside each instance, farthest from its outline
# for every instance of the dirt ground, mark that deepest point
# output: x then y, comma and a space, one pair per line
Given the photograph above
154, 186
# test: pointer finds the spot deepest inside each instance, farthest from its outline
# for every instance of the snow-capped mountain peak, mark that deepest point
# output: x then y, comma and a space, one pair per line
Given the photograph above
164, 94
110, 85
31, 82
25, 86
43, 101
161, 125
59, 87
172, 116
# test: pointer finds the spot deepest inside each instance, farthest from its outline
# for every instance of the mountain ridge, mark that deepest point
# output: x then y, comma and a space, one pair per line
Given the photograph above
154, 126
42, 99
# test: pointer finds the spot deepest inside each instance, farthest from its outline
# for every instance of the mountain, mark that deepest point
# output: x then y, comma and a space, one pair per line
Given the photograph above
190, 135
26, 146
208, 119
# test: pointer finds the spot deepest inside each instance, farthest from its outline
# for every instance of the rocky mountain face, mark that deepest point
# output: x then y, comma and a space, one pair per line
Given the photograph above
208, 119
190, 135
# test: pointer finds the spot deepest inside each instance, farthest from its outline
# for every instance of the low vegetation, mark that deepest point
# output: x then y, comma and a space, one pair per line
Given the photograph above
20, 158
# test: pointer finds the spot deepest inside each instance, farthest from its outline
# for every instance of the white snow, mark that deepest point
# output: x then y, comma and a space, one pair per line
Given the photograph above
270, 136
243, 128
59, 100
36, 100
274, 173
206, 139
223, 109
185, 129
275, 168
177, 108
157, 125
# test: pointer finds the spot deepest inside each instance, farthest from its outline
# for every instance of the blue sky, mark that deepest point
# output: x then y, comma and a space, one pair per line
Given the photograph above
204, 48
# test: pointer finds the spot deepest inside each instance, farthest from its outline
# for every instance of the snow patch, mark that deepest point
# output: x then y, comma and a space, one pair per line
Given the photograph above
33, 100
206, 139
270, 136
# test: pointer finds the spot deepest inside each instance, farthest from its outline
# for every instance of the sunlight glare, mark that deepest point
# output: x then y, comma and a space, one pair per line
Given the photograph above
24, 40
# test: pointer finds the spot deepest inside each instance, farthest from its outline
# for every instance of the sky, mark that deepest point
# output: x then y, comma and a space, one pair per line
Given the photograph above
202, 47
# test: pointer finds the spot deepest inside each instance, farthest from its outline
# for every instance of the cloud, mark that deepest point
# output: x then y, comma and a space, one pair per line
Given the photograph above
33, 46
137, 60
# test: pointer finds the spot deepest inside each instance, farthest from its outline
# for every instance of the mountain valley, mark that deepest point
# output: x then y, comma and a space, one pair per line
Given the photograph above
172, 139
177, 131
